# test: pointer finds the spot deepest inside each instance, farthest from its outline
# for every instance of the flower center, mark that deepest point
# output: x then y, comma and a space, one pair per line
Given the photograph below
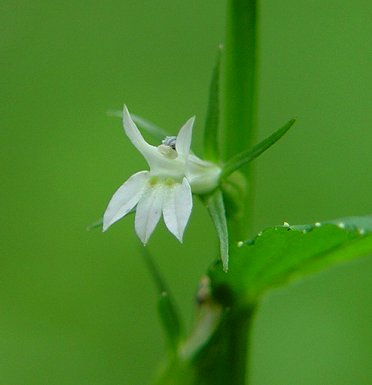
156, 180
170, 141
168, 147
153, 181
169, 182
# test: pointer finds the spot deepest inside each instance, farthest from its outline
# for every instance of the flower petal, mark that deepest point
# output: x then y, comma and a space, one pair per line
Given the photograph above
148, 212
184, 137
125, 198
135, 135
158, 162
177, 207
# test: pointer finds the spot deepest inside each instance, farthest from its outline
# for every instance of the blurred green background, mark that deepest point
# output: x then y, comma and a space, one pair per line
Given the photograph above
78, 307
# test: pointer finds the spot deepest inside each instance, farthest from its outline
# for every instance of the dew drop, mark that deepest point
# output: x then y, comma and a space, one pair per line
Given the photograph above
361, 231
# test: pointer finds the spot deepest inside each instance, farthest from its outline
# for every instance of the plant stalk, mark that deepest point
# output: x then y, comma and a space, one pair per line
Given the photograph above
239, 104
224, 360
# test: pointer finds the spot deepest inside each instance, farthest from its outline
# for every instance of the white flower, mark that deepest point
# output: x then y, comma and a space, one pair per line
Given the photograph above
167, 188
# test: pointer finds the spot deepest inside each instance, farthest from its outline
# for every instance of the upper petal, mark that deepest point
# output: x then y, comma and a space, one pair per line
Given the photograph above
148, 211
177, 207
159, 163
133, 132
135, 136
184, 137
125, 198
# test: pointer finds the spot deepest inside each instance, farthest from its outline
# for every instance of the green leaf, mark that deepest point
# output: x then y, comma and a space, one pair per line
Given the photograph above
281, 254
245, 157
216, 209
211, 149
151, 128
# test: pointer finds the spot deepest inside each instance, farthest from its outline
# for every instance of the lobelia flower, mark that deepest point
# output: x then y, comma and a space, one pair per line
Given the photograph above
175, 173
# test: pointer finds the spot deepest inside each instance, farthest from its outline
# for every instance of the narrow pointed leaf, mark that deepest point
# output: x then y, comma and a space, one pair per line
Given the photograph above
217, 212
166, 306
151, 128
211, 149
245, 157
281, 254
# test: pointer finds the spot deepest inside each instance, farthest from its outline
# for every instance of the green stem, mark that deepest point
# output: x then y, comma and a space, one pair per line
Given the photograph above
224, 360
239, 346
240, 95
239, 330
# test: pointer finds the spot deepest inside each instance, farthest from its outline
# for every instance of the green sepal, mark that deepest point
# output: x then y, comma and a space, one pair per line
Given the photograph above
95, 225
211, 132
217, 212
99, 222
245, 157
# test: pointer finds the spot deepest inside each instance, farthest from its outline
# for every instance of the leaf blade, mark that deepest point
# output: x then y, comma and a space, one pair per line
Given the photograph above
282, 254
